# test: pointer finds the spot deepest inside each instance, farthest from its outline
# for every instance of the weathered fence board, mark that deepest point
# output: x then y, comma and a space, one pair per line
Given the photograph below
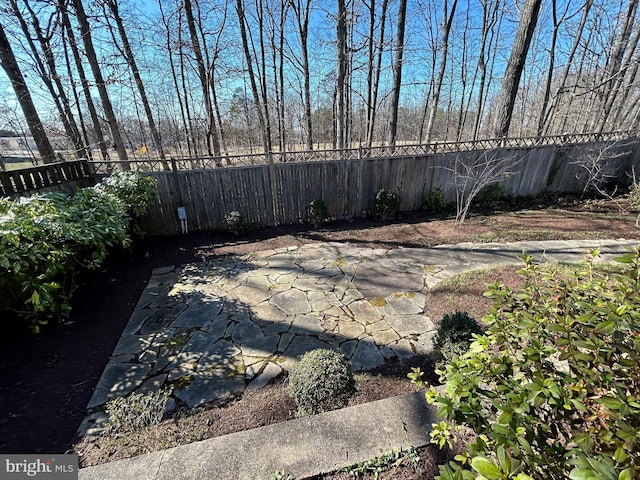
280, 193
65, 177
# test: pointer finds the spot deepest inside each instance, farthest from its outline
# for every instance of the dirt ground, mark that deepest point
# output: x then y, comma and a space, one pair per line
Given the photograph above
47, 379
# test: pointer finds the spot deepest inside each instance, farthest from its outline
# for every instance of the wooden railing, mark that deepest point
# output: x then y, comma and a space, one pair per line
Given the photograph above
42, 177
203, 163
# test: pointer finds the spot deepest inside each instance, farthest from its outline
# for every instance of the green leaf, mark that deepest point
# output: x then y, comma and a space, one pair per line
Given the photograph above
582, 474
486, 468
625, 475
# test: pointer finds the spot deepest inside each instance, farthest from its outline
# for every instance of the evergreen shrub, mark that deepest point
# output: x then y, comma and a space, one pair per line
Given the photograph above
552, 389
386, 205
322, 381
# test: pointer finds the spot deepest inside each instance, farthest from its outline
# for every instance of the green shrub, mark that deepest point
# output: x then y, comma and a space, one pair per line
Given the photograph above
46, 239
455, 334
386, 205
322, 381
236, 223
634, 196
552, 389
434, 201
493, 196
134, 190
318, 213
135, 411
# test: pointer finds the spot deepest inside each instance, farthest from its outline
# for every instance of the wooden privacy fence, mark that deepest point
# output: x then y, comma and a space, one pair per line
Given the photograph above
63, 176
279, 193
200, 163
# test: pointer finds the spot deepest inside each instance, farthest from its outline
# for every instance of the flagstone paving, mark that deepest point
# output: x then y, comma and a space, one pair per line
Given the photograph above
209, 330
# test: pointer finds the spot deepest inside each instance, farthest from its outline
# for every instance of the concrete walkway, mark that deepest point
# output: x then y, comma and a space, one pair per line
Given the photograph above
212, 329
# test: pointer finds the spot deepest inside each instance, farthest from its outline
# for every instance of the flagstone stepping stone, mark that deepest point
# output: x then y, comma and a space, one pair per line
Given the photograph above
271, 371
306, 324
406, 325
260, 346
206, 389
366, 356
199, 313
118, 380
300, 345
291, 302
379, 280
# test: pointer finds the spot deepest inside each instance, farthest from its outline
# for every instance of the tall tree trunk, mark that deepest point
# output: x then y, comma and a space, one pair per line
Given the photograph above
374, 67
97, 129
550, 112
184, 117
301, 9
552, 61
100, 83
212, 136
397, 72
515, 66
340, 112
76, 96
131, 61
48, 72
623, 53
447, 20
11, 68
266, 135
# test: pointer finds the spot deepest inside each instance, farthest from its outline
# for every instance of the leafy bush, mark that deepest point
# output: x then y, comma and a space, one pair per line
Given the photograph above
552, 389
46, 239
634, 196
135, 411
434, 201
318, 212
455, 333
492, 196
322, 381
386, 205
135, 191
235, 223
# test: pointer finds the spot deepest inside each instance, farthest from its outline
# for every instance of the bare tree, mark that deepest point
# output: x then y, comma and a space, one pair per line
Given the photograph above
92, 58
397, 72
259, 96
515, 66
599, 163
47, 69
12, 69
561, 89
476, 170
341, 79
212, 135
374, 66
619, 63
302, 11
447, 20
70, 37
127, 53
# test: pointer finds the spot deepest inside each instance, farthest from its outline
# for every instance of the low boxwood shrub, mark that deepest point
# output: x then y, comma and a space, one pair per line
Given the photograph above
135, 411
318, 213
46, 239
322, 381
236, 223
455, 334
137, 192
434, 201
493, 196
552, 389
386, 205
